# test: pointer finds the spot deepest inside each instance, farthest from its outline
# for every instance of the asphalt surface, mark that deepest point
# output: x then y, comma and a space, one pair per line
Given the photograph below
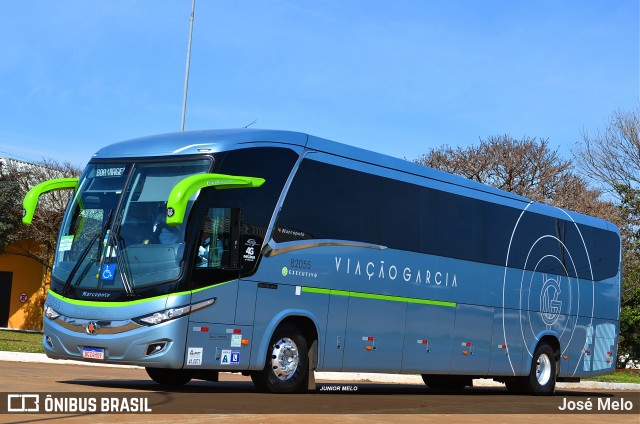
347, 397
334, 376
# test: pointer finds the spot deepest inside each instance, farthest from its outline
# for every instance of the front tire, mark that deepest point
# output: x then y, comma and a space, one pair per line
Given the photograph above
287, 363
544, 370
169, 377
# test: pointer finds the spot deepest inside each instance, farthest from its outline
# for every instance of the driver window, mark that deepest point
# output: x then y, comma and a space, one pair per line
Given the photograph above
219, 239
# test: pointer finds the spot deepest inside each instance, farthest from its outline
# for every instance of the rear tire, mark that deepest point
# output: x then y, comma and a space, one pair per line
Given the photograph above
286, 367
544, 370
169, 377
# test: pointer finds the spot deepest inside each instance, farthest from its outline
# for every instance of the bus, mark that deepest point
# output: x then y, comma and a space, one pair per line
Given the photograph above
277, 254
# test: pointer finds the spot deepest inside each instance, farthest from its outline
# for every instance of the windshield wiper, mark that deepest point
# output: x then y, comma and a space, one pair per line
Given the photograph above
85, 252
123, 264
104, 232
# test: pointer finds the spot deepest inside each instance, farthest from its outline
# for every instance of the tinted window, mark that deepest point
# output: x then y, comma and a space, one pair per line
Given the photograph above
233, 223
330, 202
272, 164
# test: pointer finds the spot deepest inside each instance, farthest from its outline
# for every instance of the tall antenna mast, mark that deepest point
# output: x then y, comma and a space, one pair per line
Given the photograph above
186, 75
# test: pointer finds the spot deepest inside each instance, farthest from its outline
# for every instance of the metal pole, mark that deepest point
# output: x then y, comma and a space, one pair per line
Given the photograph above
186, 75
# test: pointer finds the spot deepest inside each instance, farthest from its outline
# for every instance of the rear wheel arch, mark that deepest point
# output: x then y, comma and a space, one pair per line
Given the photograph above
544, 367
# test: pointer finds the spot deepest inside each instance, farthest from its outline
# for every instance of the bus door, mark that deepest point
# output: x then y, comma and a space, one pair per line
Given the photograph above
212, 337
216, 262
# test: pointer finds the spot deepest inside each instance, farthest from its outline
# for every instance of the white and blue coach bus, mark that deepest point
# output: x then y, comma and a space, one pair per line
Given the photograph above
277, 253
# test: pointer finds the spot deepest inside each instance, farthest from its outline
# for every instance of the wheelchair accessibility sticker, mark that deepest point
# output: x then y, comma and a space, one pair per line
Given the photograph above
108, 272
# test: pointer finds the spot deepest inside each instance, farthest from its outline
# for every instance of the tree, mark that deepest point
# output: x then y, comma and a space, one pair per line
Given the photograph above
528, 167
9, 197
611, 158
36, 241
629, 340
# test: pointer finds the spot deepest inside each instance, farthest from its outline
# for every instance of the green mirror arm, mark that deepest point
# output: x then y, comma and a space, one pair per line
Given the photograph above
31, 199
183, 190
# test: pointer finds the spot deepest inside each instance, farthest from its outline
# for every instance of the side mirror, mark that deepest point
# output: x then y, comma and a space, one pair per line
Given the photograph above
182, 191
31, 199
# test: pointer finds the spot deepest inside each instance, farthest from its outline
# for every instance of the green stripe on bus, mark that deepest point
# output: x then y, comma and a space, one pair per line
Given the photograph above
103, 304
378, 297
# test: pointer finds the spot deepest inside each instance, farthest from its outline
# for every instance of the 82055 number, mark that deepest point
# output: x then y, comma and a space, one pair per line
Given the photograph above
300, 264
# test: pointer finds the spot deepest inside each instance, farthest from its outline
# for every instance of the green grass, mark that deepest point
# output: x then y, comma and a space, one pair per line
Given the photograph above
625, 376
17, 341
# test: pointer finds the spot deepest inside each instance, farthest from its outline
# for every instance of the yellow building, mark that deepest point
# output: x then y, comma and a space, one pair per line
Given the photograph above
22, 292
21, 282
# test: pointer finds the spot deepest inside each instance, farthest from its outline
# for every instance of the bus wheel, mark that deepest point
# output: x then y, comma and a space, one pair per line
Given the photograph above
287, 365
544, 368
169, 377
446, 382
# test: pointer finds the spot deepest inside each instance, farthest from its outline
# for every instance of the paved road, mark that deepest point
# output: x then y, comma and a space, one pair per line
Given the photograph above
235, 398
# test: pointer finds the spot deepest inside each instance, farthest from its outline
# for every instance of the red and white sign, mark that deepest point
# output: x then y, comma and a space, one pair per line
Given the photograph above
23, 297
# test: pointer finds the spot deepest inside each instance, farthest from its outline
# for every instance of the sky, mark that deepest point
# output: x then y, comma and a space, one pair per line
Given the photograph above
397, 77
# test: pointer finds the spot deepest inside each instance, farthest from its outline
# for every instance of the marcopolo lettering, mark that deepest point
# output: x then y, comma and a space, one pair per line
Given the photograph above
95, 294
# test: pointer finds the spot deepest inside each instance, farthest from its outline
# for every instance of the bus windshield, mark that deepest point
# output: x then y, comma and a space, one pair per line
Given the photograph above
114, 236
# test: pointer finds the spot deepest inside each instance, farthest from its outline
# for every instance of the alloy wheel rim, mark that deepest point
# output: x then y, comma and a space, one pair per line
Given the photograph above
543, 369
285, 358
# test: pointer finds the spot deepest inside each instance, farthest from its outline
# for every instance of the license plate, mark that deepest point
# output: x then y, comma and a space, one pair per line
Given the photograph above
93, 352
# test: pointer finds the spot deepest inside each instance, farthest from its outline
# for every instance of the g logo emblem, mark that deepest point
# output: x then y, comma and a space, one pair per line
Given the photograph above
550, 306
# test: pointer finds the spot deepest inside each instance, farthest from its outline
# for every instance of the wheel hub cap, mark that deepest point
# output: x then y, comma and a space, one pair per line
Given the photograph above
284, 358
543, 370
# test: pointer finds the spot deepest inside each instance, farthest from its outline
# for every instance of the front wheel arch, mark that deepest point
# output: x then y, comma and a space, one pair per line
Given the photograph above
306, 322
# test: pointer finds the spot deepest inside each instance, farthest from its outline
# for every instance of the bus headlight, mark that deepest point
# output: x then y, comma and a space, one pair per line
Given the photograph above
50, 313
172, 313
162, 316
